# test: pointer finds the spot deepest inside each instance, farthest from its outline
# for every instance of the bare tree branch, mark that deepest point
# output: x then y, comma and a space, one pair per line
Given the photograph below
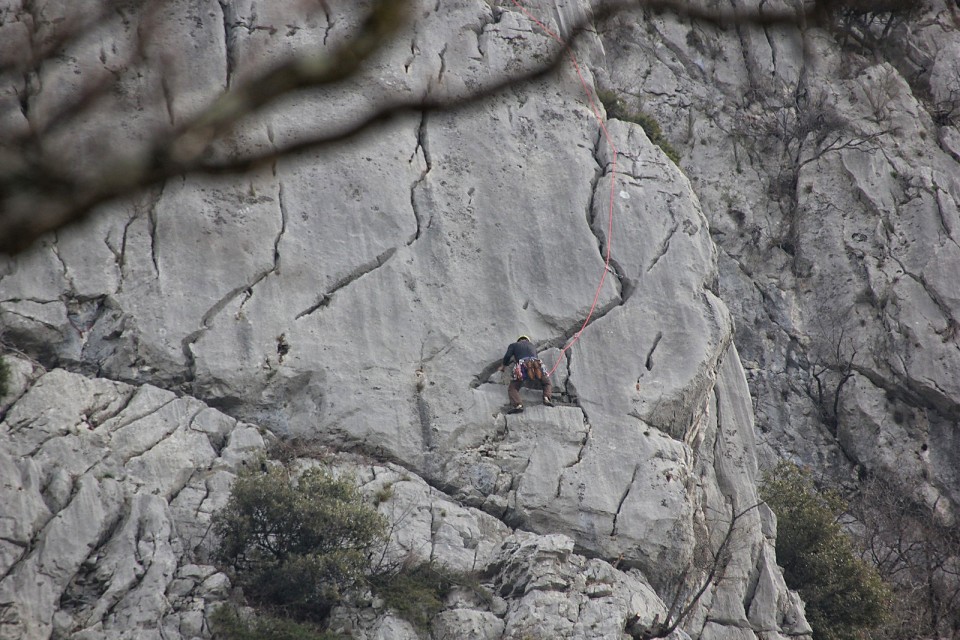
39, 194
681, 607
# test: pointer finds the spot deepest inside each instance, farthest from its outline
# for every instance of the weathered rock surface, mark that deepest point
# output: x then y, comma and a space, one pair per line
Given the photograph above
108, 492
828, 172
361, 295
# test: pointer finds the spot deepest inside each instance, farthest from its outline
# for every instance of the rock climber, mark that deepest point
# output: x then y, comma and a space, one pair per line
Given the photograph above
528, 368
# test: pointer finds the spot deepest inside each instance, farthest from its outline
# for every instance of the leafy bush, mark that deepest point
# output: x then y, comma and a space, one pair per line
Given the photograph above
4, 377
843, 594
227, 624
616, 108
416, 594
297, 543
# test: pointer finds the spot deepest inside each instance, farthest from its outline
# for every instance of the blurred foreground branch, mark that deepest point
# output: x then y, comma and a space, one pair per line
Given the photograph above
44, 187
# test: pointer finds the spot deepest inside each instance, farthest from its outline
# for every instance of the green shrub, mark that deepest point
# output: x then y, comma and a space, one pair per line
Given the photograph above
843, 594
297, 543
617, 109
415, 594
227, 624
4, 377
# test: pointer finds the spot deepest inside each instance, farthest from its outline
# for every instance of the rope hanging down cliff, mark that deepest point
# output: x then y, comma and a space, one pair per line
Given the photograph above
591, 99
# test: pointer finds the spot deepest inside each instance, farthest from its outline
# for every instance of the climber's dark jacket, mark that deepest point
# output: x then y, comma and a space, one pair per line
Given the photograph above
520, 350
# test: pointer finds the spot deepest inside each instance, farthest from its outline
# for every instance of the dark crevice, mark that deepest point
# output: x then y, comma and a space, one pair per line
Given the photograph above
36, 538
423, 148
770, 43
570, 389
433, 532
177, 490
83, 312
648, 363
623, 498
664, 247
120, 255
160, 440
31, 318
935, 297
226, 11
166, 435
218, 442
717, 455
167, 99
912, 394
79, 589
600, 172
23, 97
350, 278
413, 56
152, 220
753, 582
329, 20
141, 416
283, 230
55, 249
443, 64
187, 343
583, 442
189, 359
131, 393
247, 290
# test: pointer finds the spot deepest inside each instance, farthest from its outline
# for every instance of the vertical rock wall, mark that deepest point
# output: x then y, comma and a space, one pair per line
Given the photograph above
362, 295
826, 161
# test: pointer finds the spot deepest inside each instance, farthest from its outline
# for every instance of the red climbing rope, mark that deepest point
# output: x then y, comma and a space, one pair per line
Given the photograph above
613, 175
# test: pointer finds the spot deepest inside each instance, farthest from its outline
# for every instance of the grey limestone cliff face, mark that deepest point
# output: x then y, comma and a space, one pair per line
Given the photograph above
108, 490
361, 296
826, 161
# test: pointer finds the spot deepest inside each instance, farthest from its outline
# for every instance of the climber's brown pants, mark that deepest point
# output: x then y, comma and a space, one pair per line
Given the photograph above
513, 391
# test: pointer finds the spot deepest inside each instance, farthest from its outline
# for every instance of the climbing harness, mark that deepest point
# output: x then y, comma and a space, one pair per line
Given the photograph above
529, 369
613, 175
533, 368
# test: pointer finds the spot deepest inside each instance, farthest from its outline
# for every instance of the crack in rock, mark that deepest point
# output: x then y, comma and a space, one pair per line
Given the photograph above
938, 197
55, 249
246, 289
140, 416
330, 22
443, 63
152, 220
347, 280
29, 318
623, 498
583, 443
624, 286
664, 247
423, 149
648, 363
229, 40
